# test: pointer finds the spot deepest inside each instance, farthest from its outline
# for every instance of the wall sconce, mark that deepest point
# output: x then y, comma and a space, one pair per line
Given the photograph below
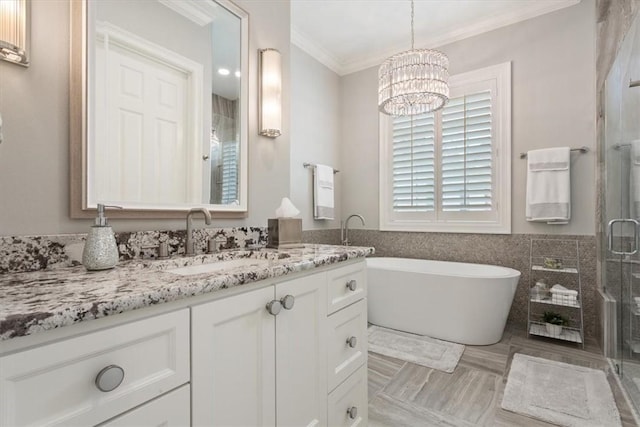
14, 34
270, 92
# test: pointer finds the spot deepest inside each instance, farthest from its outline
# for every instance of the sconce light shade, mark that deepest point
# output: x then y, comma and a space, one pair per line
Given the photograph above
270, 92
14, 34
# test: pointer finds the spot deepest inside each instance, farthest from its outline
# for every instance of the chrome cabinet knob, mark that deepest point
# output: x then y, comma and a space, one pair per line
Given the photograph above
352, 285
274, 307
287, 301
352, 342
352, 412
109, 378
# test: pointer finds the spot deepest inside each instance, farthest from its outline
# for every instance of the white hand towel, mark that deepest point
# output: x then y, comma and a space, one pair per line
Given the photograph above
549, 185
634, 180
323, 206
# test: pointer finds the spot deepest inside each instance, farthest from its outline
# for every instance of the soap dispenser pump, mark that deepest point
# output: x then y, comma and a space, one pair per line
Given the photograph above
100, 249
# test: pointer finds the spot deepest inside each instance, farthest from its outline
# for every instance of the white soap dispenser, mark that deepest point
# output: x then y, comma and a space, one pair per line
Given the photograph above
100, 249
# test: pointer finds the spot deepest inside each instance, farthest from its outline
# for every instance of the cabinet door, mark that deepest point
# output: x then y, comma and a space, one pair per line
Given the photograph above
233, 377
170, 410
301, 353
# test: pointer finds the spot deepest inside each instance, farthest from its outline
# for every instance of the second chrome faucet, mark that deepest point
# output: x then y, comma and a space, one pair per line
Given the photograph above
344, 229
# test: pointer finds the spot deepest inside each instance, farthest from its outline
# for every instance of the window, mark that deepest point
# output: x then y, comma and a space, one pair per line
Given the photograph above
450, 171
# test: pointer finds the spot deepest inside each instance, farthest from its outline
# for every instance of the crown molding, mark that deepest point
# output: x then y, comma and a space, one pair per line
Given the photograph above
202, 13
316, 51
347, 67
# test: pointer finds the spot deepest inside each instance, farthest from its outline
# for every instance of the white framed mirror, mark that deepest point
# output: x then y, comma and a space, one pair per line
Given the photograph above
159, 117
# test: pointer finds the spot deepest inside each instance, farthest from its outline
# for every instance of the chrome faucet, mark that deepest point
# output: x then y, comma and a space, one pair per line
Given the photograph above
344, 229
189, 247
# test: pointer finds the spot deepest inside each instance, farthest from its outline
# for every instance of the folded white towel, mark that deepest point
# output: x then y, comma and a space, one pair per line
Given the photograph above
549, 185
323, 207
634, 181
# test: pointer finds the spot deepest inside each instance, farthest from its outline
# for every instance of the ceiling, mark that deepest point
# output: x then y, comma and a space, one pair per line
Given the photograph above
351, 35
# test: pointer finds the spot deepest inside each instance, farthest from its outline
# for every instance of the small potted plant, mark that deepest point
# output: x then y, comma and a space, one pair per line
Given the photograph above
554, 322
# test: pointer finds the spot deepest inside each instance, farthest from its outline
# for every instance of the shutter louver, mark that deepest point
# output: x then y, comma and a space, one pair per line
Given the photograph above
467, 154
229, 175
413, 163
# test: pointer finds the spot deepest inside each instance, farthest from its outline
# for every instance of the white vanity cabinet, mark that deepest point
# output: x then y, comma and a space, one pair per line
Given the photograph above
251, 367
287, 353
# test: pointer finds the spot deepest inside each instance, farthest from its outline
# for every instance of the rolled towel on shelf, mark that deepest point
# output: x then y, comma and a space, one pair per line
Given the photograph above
562, 295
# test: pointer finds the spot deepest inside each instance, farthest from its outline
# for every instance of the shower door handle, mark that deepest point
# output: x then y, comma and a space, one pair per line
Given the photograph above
635, 236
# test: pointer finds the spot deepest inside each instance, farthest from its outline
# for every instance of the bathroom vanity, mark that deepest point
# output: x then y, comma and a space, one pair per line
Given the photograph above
270, 338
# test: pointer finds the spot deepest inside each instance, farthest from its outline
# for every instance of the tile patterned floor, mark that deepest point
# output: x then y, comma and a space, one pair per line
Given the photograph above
405, 394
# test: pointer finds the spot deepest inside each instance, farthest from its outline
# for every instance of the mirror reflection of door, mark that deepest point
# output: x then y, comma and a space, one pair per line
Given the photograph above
141, 139
156, 139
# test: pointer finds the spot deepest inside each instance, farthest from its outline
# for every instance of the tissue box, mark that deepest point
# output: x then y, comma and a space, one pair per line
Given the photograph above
284, 233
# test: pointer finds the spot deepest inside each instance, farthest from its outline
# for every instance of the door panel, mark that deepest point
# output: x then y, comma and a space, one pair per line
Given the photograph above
301, 353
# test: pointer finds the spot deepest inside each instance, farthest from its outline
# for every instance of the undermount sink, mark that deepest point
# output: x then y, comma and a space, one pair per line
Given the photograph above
214, 267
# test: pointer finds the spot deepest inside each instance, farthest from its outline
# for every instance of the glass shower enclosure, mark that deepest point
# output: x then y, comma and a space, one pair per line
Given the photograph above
621, 213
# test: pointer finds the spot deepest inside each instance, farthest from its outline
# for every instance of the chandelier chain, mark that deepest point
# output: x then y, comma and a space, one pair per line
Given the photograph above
412, 33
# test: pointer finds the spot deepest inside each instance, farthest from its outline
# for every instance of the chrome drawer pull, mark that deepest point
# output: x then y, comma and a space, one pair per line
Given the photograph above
287, 302
109, 378
352, 285
352, 342
352, 412
274, 307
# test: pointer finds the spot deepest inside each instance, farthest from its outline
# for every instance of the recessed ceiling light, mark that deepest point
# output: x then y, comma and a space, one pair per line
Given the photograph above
223, 71
237, 73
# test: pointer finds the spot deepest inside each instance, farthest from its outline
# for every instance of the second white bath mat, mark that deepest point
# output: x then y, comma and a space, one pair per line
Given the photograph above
418, 349
560, 393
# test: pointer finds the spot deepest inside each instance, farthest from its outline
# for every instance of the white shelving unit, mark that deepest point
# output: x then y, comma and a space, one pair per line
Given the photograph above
565, 253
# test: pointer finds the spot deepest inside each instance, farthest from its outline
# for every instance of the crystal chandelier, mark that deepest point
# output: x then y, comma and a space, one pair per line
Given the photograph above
414, 81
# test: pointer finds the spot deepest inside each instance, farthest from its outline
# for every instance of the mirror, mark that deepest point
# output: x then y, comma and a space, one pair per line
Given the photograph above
164, 113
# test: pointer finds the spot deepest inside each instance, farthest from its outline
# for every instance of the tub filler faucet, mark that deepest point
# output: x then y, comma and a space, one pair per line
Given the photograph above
344, 229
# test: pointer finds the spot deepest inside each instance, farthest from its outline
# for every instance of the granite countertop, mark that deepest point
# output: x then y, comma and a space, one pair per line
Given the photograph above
48, 299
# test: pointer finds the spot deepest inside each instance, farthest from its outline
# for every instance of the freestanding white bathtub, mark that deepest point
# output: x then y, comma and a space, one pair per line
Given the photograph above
452, 301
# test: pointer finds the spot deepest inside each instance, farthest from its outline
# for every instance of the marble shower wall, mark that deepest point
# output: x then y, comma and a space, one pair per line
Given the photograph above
505, 250
31, 253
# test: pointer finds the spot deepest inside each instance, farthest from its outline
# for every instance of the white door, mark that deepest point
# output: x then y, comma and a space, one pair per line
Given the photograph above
142, 146
301, 354
233, 366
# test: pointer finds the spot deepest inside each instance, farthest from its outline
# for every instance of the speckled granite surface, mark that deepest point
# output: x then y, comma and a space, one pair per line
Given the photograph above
32, 253
37, 301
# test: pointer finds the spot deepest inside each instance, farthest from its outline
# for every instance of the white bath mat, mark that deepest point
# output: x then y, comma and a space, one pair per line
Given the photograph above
560, 393
418, 349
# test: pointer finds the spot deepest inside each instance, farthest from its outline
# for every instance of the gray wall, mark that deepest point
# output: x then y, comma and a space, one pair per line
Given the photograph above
34, 103
315, 132
553, 104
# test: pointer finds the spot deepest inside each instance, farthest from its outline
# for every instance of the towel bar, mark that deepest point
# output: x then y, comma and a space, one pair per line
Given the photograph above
582, 150
311, 165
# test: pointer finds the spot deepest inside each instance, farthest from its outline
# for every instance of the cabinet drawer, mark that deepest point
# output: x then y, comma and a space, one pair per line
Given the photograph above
170, 410
56, 384
347, 343
341, 283
348, 402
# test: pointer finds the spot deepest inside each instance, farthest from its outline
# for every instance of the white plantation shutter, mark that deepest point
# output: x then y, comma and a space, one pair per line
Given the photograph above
467, 153
229, 173
454, 175
413, 165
